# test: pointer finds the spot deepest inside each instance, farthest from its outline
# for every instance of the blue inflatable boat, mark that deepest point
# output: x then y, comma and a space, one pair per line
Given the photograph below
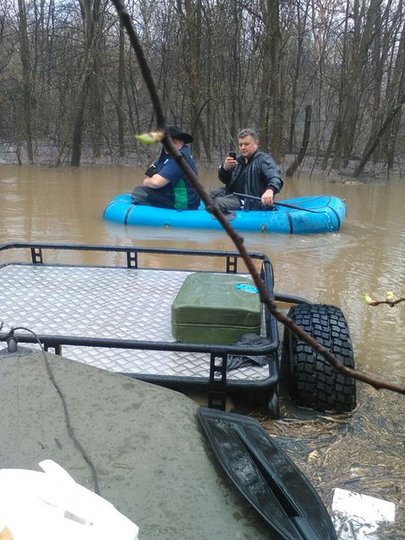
301, 215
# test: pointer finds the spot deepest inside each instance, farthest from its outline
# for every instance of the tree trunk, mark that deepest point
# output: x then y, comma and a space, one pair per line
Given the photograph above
26, 75
301, 25
375, 139
305, 139
90, 13
267, 68
78, 124
357, 42
271, 85
120, 93
190, 23
390, 123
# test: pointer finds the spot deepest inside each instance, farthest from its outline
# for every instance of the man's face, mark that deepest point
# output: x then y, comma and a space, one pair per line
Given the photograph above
178, 143
247, 146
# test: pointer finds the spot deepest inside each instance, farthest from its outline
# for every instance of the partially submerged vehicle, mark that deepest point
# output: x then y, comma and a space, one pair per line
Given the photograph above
141, 445
151, 452
120, 316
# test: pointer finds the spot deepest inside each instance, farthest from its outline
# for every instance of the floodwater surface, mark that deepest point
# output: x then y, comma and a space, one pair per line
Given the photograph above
361, 452
368, 254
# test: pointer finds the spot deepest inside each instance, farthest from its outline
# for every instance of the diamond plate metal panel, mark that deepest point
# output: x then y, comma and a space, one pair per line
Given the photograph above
111, 303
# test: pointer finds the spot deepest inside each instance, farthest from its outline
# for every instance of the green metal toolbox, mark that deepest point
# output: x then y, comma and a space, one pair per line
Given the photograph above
216, 308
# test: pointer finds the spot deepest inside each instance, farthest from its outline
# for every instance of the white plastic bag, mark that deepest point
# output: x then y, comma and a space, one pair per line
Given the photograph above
48, 505
357, 516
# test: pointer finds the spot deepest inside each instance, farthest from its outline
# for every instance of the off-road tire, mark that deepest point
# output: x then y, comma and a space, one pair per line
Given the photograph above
312, 381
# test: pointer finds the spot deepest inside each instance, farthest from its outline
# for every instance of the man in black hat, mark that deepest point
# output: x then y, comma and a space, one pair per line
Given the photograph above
165, 184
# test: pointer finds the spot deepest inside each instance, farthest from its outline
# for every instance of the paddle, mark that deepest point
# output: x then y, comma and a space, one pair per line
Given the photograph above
244, 196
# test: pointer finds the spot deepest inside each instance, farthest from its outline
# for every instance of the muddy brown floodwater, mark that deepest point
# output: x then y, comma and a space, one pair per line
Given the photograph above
362, 452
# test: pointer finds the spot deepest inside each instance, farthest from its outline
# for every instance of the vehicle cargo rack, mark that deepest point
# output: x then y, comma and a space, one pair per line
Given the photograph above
116, 315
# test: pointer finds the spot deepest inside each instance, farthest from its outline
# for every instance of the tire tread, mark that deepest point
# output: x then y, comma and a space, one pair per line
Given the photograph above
313, 381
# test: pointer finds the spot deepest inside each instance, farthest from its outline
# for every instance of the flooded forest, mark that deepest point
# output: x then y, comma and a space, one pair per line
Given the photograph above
324, 80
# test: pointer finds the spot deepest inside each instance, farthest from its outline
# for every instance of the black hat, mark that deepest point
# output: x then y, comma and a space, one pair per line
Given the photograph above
176, 133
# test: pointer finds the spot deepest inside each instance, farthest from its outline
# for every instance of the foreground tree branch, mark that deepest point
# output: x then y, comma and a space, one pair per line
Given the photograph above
389, 300
161, 136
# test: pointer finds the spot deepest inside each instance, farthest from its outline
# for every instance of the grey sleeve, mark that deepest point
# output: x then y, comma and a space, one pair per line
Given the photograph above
271, 174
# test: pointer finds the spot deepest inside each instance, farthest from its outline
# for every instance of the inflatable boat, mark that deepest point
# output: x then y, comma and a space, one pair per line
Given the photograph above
301, 215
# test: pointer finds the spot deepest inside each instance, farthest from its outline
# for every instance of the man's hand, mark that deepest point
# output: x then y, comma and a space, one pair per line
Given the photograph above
229, 163
268, 197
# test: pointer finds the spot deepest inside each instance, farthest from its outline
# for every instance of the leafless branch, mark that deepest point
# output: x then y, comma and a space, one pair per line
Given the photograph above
390, 303
236, 238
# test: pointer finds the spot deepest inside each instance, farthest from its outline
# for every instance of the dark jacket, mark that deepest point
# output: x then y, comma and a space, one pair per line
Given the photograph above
178, 193
252, 178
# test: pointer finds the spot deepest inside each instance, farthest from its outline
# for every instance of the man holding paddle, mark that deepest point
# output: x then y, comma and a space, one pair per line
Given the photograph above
253, 173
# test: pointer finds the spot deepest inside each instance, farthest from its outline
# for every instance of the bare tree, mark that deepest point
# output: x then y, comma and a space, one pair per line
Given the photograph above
394, 110
219, 65
300, 32
120, 93
92, 15
305, 139
25, 56
270, 96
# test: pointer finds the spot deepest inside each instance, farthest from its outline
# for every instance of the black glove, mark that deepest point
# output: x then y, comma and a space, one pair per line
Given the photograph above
151, 170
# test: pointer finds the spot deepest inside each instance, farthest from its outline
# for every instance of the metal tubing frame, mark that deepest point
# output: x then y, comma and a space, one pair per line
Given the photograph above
217, 382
